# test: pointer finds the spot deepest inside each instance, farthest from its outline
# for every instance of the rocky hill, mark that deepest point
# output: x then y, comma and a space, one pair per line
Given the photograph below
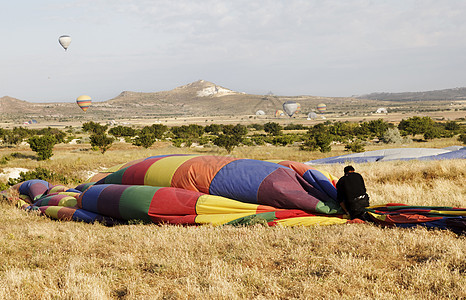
203, 98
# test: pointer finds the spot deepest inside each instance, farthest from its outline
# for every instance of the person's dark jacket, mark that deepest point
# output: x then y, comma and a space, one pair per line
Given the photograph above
351, 190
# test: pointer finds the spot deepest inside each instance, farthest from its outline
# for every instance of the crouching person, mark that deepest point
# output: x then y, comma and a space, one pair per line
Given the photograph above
351, 194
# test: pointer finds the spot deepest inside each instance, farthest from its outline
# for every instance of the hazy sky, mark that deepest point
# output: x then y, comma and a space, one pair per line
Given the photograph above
289, 47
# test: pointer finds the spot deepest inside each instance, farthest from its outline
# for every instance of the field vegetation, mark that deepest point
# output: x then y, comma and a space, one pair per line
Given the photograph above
46, 259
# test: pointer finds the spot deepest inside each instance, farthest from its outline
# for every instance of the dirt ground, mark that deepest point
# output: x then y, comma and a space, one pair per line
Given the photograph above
247, 119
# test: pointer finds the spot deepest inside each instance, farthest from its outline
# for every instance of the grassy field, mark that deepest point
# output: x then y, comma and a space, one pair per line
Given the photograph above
45, 259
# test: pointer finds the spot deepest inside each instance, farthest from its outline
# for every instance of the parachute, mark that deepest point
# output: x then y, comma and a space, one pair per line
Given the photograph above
84, 102
216, 190
279, 113
65, 41
321, 108
290, 107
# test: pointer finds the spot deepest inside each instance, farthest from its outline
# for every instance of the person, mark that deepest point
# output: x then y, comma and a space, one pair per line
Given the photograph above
352, 195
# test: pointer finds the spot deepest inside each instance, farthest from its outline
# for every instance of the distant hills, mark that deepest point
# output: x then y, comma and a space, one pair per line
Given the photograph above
446, 94
204, 98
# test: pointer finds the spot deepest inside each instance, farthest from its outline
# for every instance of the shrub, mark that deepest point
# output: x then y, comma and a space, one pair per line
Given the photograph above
101, 141
393, 136
273, 128
356, 146
43, 145
40, 173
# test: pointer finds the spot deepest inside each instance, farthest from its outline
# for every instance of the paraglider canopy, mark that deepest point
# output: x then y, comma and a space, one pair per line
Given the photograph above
84, 101
321, 107
290, 107
65, 41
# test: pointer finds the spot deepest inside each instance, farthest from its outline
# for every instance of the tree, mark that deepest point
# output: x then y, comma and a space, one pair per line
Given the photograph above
356, 146
226, 141
120, 131
416, 125
318, 138
101, 141
145, 140
462, 138
43, 145
95, 128
273, 128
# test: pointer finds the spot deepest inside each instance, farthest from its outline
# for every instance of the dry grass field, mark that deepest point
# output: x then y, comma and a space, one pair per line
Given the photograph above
46, 259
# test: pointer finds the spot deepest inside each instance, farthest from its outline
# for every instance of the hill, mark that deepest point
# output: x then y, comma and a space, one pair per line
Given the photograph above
446, 94
203, 99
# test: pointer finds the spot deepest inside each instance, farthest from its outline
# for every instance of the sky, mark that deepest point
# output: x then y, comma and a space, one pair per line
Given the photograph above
288, 47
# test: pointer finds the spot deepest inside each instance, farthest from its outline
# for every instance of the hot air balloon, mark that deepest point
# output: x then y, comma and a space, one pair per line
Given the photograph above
290, 107
321, 107
279, 113
260, 113
311, 116
84, 101
65, 41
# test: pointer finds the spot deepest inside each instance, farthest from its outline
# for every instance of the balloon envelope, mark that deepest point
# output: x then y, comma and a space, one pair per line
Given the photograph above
279, 113
311, 116
84, 101
321, 107
290, 107
260, 113
65, 41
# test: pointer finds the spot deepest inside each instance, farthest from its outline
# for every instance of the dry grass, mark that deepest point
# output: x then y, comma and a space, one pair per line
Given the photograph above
45, 259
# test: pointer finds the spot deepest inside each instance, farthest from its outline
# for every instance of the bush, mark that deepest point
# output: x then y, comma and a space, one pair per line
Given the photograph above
227, 142
393, 136
94, 128
41, 173
101, 141
144, 139
43, 145
356, 146
462, 138
122, 131
273, 128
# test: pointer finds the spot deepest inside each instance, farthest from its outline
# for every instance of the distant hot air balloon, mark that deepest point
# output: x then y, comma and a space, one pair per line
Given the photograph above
290, 107
321, 107
84, 101
311, 116
260, 113
279, 113
65, 41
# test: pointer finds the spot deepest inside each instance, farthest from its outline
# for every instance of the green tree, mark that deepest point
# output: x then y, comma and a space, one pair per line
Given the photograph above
145, 140
101, 141
122, 131
43, 145
94, 128
318, 138
416, 125
226, 141
356, 146
462, 138
273, 128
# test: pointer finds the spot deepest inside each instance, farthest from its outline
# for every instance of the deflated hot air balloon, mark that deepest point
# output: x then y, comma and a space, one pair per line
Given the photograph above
290, 107
84, 101
65, 41
279, 113
321, 107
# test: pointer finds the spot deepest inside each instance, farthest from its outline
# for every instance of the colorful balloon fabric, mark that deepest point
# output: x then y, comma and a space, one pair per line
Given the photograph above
216, 190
